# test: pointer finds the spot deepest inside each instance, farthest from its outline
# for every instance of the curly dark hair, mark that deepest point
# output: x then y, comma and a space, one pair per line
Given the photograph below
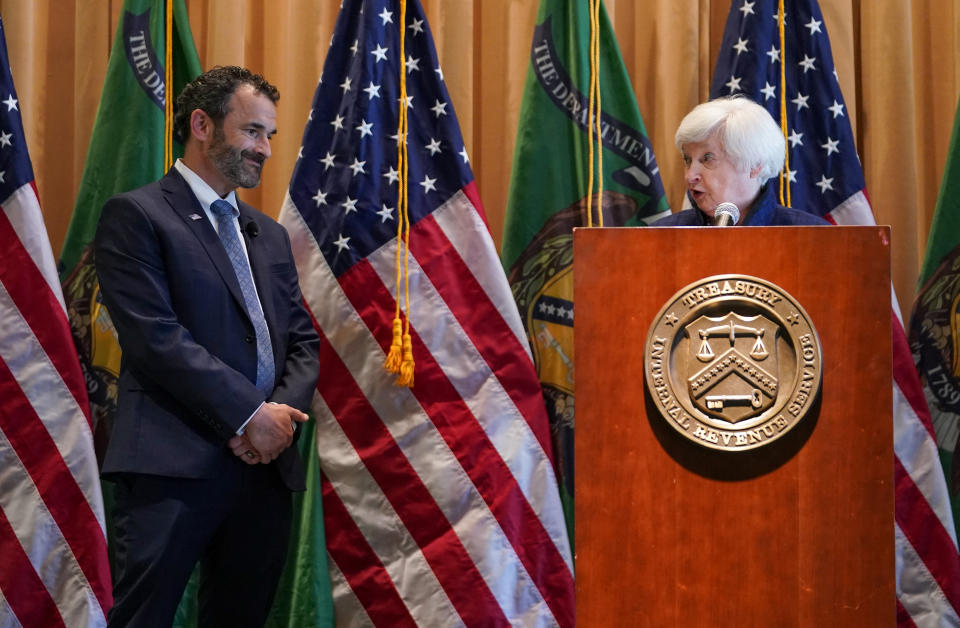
211, 92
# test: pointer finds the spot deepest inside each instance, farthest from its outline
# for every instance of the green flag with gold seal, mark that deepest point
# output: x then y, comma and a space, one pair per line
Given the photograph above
126, 151
548, 194
935, 320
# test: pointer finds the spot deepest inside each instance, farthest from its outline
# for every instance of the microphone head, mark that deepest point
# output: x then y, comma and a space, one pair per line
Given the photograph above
252, 229
726, 214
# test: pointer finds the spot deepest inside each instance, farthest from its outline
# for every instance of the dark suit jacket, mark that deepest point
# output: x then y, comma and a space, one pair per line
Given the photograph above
766, 212
189, 350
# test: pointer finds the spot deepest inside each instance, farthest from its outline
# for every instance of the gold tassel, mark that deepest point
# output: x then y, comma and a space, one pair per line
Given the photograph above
392, 363
406, 368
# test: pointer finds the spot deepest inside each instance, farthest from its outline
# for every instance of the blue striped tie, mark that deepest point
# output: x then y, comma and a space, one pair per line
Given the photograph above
226, 220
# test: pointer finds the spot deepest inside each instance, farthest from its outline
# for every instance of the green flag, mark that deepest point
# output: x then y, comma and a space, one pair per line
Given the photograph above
935, 321
548, 194
304, 596
126, 152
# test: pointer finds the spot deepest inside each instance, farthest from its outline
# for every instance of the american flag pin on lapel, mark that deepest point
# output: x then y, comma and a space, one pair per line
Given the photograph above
195, 216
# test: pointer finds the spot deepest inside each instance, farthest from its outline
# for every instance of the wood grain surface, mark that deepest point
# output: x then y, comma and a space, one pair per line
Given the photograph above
797, 533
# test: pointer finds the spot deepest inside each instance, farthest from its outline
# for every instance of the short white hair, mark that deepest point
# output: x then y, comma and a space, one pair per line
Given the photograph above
747, 132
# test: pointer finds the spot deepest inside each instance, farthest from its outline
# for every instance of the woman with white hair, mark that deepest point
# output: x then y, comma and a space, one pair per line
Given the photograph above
732, 151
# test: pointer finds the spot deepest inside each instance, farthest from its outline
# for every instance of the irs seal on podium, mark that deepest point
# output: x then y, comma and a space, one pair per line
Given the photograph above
733, 362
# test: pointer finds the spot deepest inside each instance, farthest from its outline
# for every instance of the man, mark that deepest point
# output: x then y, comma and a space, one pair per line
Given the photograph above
219, 359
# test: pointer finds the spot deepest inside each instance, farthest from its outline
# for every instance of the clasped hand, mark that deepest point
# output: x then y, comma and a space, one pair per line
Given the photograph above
268, 432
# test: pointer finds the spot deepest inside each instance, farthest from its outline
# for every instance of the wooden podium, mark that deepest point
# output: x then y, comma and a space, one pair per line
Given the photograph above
795, 533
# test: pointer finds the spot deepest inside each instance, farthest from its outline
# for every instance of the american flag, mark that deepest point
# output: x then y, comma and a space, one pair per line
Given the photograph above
440, 502
826, 179
53, 551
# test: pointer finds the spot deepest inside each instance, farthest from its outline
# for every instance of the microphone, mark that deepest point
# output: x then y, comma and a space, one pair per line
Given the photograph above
252, 230
725, 215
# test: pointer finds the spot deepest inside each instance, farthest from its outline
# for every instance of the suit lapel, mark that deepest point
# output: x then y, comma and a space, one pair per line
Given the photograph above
181, 199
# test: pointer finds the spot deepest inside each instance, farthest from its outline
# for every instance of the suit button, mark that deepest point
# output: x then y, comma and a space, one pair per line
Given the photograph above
248, 339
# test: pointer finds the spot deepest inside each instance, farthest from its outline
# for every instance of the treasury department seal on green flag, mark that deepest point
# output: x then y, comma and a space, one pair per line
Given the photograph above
126, 151
548, 195
935, 321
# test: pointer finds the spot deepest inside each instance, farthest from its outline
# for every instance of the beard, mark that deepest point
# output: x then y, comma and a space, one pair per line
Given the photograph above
229, 161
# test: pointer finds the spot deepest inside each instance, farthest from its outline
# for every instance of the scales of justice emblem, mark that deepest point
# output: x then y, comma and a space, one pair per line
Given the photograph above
733, 362
739, 377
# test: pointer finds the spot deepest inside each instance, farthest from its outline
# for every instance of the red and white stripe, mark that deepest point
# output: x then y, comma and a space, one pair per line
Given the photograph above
53, 570
927, 562
440, 501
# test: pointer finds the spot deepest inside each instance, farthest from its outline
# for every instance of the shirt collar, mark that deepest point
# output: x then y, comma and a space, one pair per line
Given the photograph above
204, 193
762, 211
